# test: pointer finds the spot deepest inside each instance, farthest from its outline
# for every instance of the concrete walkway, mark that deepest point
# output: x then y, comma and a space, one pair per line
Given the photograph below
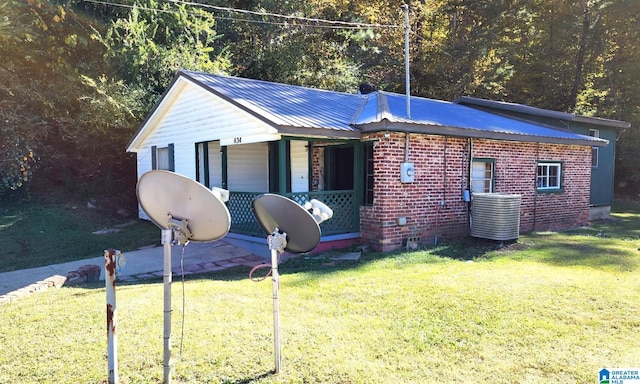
141, 264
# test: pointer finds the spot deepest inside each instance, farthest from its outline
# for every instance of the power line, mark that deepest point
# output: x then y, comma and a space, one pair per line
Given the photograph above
290, 17
309, 22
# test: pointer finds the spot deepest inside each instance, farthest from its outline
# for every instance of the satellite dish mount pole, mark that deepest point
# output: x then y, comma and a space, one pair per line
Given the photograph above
178, 233
168, 199
277, 243
167, 242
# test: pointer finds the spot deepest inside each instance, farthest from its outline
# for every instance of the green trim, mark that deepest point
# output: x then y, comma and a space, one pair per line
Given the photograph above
559, 189
282, 166
172, 160
549, 191
225, 178
309, 165
205, 156
358, 185
154, 157
197, 153
367, 173
358, 171
484, 159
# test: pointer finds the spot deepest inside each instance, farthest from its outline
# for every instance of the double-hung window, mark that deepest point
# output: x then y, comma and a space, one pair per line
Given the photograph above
482, 175
163, 158
549, 177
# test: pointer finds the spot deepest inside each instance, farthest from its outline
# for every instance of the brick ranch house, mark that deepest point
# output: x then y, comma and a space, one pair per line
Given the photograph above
353, 151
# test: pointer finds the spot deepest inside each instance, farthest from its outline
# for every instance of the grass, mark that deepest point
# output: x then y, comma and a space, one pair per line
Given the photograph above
34, 235
553, 307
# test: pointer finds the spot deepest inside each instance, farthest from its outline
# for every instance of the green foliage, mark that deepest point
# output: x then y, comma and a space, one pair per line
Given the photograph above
16, 168
149, 45
46, 53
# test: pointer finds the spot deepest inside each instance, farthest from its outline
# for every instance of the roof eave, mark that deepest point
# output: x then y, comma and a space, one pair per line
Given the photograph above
603, 122
316, 132
526, 109
151, 115
386, 125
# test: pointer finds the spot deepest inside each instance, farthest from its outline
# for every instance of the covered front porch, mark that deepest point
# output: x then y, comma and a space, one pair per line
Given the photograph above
301, 169
345, 213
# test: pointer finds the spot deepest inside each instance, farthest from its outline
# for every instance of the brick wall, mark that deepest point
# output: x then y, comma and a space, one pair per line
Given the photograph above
433, 204
317, 169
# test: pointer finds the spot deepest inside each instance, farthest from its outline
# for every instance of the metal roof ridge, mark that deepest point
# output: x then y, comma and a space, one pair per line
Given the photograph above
361, 108
383, 108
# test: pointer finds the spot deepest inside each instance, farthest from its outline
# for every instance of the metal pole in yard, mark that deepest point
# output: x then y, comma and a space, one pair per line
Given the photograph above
276, 309
112, 339
167, 239
405, 7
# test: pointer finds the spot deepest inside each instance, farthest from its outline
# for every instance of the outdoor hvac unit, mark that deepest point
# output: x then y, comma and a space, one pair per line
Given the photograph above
495, 216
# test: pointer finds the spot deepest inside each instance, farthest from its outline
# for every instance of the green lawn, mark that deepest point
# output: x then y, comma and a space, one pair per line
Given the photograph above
553, 307
33, 235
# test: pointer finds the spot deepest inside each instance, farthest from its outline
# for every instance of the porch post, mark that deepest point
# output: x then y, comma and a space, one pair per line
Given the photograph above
282, 166
225, 177
358, 181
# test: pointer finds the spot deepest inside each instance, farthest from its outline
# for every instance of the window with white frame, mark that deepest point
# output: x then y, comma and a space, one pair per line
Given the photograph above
594, 150
549, 176
162, 157
482, 175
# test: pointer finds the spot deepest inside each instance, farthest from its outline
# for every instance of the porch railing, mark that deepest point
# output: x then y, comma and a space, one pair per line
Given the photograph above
345, 212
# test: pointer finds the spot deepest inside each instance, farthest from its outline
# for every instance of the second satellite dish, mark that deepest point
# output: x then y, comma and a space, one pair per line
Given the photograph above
167, 196
275, 211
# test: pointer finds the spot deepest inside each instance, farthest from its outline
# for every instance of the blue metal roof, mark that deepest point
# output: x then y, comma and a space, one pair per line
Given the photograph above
285, 105
288, 106
447, 114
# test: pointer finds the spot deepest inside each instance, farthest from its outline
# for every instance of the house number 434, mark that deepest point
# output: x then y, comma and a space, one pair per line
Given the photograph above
237, 140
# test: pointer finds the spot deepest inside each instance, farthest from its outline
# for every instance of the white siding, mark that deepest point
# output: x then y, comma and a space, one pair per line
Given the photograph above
299, 166
194, 115
184, 155
188, 115
144, 166
248, 167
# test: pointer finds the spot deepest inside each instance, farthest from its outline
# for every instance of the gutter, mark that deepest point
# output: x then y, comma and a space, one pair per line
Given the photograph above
386, 125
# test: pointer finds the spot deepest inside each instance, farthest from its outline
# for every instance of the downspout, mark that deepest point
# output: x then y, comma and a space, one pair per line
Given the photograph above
442, 202
470, 140
535, 188
406, 147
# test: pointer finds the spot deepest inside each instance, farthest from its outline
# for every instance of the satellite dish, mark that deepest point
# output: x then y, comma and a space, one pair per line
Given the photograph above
278, 212
290, 227
186, 211
168, 197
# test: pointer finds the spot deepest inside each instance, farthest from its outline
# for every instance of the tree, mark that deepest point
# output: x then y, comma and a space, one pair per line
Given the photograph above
154, 40
292, 49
